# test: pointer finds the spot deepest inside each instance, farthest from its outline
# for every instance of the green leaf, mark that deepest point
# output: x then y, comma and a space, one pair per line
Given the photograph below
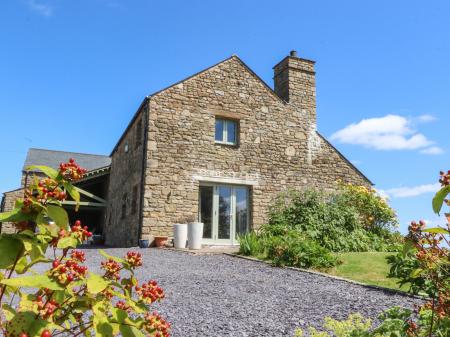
10, 248
96, 283
34, 281
114, 258
41, 259
48, 171
27, 321
416, 272
438, 199
73, 192
59, 215
8, 311
130, 331
21, 265
67, 242
14, 215
436, 230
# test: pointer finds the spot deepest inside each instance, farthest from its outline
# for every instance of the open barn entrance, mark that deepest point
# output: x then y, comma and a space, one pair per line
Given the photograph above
92, 208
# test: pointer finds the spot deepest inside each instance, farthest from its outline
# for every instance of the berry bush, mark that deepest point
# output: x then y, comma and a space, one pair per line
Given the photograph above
67, 299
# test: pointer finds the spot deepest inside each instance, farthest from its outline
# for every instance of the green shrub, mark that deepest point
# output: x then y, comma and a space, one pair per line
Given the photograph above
374, 212
251, 244
293, 250
329, 219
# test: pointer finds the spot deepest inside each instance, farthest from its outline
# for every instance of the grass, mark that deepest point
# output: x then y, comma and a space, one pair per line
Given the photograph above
368, 267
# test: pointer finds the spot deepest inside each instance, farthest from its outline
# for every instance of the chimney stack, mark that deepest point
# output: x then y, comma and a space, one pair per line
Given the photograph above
295, 83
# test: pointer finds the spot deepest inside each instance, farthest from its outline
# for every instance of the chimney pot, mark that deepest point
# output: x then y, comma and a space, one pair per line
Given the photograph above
293, 53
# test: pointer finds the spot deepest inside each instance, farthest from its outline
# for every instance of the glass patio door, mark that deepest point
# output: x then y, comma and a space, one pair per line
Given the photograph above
223, 209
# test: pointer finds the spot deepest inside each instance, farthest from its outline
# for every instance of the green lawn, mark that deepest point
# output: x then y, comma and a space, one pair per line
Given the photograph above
367, 267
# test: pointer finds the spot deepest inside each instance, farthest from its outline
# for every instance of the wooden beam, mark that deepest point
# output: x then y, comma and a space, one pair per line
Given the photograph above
90, 195
85, 203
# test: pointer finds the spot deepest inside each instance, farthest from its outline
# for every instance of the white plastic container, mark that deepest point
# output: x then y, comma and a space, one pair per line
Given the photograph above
195, 235
180, 232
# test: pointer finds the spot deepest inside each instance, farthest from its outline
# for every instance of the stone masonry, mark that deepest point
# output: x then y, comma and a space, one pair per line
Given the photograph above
123, 213
278, 147
8, 203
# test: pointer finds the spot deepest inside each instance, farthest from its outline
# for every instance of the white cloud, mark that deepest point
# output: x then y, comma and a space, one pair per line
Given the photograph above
426, 118
391, 132
432, 150
41, 8
408, 192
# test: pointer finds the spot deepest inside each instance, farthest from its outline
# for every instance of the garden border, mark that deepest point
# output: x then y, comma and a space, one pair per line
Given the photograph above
399, 292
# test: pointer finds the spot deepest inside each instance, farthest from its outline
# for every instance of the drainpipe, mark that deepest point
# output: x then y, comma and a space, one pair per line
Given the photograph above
144, 166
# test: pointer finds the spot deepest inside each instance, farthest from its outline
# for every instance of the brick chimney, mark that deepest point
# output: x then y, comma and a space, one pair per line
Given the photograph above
295, 82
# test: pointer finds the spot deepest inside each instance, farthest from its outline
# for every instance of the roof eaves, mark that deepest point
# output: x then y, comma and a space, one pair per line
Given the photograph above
136, 114
95, 173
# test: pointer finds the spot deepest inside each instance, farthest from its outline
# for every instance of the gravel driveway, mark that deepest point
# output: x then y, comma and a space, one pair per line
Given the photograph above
220, 295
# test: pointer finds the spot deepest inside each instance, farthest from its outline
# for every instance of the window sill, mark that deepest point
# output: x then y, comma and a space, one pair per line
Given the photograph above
226, 144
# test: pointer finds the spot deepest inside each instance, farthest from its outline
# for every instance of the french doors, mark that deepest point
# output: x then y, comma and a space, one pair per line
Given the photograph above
224, 211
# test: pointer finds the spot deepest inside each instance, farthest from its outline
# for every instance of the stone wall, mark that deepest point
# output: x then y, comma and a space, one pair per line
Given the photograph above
8, 202
125, 185
278, 146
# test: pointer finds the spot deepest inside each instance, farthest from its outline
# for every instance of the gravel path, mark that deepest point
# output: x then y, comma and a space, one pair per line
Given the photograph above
219, 295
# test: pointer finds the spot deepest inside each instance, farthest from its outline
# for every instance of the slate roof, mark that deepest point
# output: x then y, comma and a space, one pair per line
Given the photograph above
53, 158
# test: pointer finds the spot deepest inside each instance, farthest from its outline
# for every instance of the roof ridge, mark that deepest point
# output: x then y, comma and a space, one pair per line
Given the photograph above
83, 153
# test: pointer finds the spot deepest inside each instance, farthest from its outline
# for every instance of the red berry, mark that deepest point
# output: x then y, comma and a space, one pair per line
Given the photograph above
23, 334
55, 264
77, 223
70, 277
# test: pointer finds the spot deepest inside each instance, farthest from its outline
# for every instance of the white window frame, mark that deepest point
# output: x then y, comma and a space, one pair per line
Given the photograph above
225, 131
233, 240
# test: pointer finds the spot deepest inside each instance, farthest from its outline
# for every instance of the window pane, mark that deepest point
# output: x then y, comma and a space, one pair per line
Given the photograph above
219, 130
231, 132
224, 212
241, 210
206, 209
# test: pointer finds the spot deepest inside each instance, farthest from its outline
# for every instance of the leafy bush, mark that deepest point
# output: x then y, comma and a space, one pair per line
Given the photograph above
332, 220
67, 299
396, 321
251, 244
424, 263
374, 212
293, 250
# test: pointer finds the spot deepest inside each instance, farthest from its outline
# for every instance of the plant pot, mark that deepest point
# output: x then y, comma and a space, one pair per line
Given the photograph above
195, 235
144, 243
180, 232
160, 241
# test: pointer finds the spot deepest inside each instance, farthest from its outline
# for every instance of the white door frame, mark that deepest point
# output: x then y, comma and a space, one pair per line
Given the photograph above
215, 213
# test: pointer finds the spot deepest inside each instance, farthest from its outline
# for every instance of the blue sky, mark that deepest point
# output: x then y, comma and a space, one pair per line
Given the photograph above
72, 73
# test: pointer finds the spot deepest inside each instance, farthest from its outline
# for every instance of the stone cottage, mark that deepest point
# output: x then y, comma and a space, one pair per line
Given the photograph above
218, 147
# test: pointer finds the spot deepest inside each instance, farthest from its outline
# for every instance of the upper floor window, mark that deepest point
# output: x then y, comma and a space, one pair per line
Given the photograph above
226, 131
